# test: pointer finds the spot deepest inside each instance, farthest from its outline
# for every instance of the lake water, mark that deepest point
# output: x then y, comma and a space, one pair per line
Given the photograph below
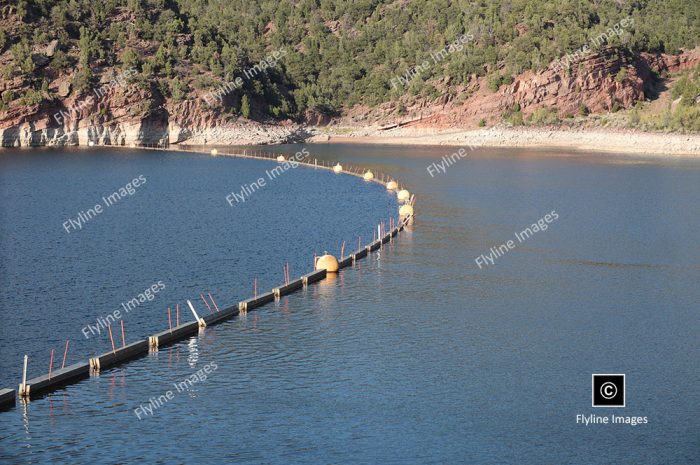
416, 355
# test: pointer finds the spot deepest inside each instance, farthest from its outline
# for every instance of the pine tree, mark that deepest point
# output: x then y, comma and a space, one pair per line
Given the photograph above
245, 107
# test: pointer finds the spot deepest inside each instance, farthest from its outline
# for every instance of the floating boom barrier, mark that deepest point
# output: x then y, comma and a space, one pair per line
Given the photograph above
54, 380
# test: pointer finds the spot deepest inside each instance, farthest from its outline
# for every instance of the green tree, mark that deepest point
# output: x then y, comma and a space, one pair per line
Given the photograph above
86, 47
8, 96
22, 55
130, 59
59, 61
178, 90
245, 106
83, 80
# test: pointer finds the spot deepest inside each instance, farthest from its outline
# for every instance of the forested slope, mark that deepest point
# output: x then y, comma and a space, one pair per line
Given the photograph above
335, 54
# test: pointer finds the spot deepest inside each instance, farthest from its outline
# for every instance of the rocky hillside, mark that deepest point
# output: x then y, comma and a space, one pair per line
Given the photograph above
600, 83
226, 72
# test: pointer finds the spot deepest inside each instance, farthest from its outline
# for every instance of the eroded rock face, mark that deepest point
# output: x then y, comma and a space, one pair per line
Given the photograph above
64, 89
599, 82
125, 115
315, 118
51, 48
660, 63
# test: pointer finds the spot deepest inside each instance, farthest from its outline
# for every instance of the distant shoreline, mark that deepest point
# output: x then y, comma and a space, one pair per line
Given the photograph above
620, 141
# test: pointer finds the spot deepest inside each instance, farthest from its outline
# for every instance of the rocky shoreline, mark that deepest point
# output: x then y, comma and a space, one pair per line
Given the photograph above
595, 140
142, 133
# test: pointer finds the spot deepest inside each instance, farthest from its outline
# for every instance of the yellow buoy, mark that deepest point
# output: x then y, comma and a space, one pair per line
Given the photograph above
327, 262
391, 185
338, 168
133, 145
330, 280
406, 210
214, 152
403, 195
281, 158
368, 176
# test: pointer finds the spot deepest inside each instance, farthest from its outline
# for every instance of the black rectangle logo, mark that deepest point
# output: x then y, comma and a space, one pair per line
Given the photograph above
608, 390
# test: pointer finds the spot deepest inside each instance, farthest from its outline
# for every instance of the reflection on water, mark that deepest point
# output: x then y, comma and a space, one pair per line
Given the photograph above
192, 353
414, 355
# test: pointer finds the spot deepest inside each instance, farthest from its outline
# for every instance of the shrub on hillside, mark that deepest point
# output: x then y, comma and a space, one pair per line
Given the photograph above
544, 117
